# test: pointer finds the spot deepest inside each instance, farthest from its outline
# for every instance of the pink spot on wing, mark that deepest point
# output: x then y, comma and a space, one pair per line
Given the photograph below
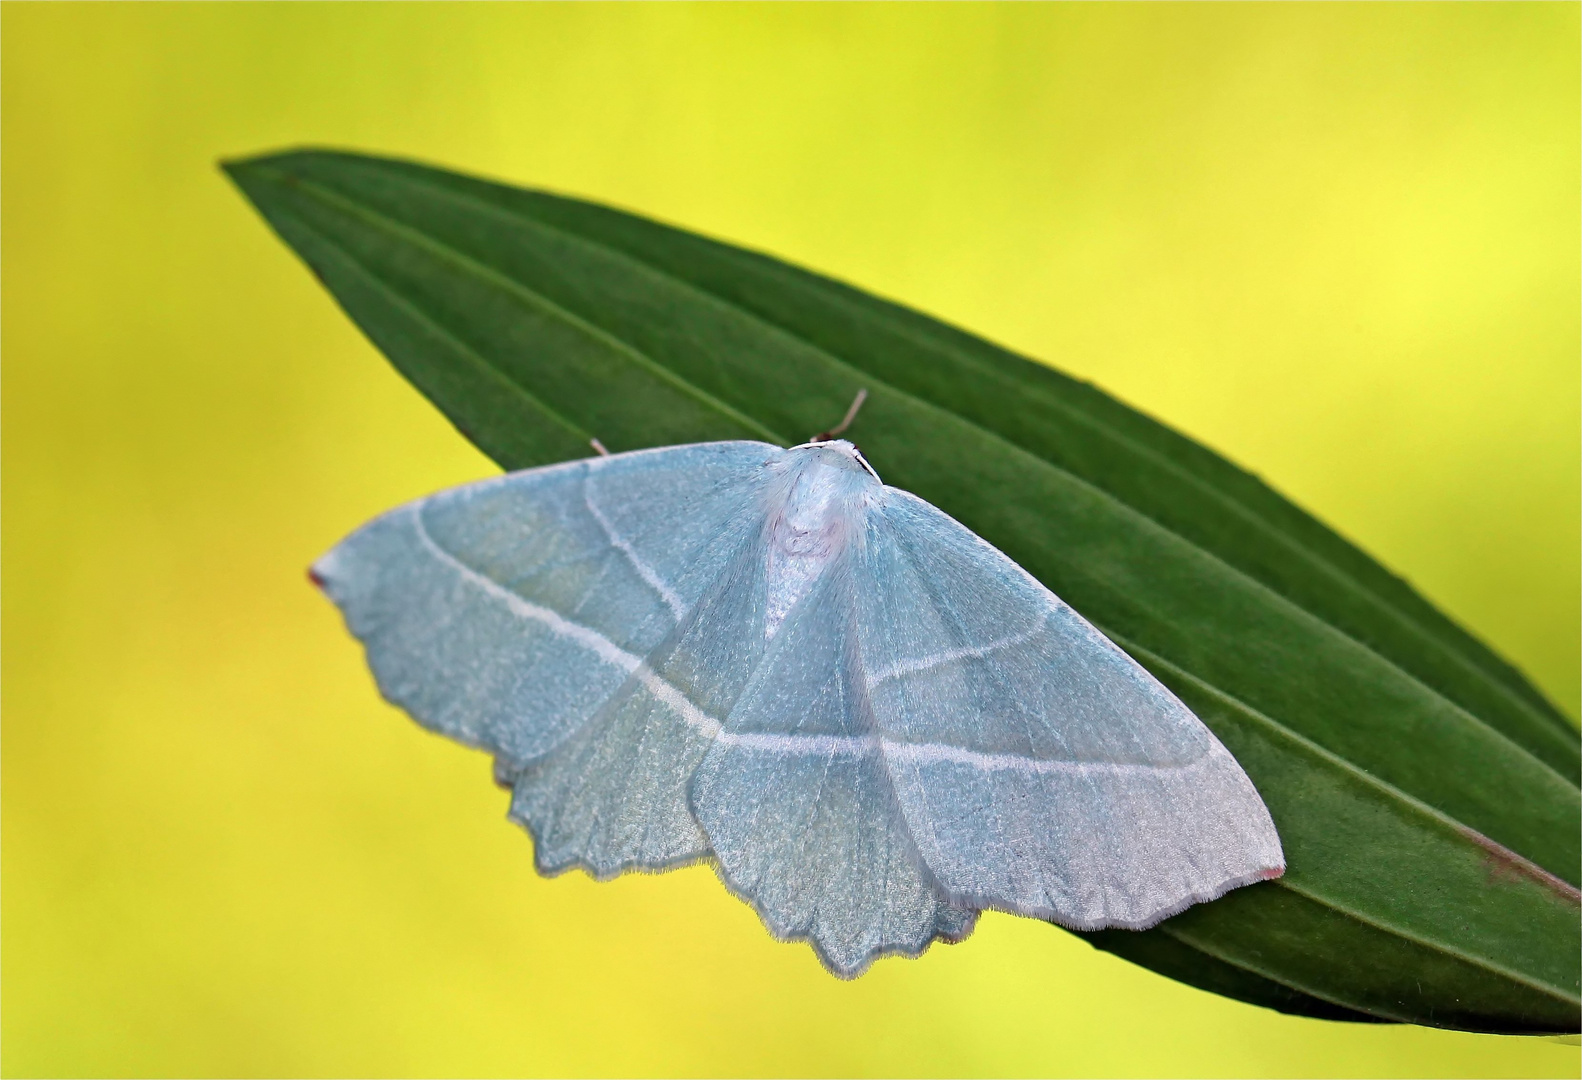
1271, 873
313, 576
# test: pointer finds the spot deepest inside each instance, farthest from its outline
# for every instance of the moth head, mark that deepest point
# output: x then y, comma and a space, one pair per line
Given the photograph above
839, 452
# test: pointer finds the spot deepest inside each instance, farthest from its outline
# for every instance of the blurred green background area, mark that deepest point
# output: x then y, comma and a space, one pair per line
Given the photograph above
1337, 243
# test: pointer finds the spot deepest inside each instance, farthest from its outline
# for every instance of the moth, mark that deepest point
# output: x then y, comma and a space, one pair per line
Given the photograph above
872, 722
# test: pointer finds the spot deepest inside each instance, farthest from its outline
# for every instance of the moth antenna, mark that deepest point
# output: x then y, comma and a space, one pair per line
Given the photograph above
851, 414
597, 445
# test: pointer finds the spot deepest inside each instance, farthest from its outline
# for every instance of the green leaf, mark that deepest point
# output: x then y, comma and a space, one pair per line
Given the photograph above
1425, 792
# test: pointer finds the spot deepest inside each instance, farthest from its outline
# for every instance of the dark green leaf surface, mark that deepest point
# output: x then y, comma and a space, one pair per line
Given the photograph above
1426, 794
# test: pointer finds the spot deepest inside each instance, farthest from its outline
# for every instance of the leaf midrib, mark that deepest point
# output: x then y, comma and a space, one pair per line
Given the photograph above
536, 299
472, 355
487, 273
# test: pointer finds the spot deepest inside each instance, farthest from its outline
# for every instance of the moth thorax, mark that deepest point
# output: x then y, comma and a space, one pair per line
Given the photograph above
806, 532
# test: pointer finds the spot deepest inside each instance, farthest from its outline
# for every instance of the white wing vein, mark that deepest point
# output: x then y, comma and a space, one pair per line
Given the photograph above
910, 753
969, 652
624, 546
590, 639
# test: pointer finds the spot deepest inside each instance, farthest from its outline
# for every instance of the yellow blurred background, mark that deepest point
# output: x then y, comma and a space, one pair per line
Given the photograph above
1337, 243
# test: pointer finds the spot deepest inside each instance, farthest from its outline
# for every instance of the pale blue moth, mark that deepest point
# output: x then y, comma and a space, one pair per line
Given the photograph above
871, 721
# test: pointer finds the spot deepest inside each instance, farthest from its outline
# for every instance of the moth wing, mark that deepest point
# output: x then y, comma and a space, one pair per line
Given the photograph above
507, 612
797, 808
1041, 770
